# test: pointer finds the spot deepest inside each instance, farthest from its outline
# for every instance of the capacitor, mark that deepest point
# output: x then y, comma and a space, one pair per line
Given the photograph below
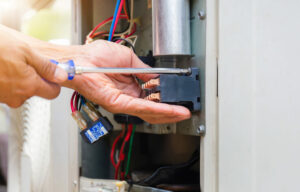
171, 27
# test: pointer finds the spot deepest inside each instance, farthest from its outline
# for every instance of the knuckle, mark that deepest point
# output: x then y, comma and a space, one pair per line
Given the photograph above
48, 68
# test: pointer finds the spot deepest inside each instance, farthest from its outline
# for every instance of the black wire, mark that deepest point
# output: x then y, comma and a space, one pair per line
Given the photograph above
195, 157
82, 101
118, 38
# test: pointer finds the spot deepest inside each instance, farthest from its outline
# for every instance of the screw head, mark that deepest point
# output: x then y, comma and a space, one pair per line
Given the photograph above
201, 15
201, 130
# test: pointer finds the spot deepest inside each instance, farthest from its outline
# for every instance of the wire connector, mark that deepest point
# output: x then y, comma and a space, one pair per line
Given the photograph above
81, 122
97, 130
99, 127
176, 89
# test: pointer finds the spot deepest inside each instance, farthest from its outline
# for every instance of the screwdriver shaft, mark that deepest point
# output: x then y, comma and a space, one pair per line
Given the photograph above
82, 69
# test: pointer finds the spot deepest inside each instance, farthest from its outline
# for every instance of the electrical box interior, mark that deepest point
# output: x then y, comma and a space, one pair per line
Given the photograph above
164, 156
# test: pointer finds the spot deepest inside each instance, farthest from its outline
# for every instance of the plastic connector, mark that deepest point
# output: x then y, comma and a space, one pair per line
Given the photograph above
178, 89
91, 113
100, 126
97, 130
77, 116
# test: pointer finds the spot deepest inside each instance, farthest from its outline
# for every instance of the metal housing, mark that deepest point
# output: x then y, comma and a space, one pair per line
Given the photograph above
171, 27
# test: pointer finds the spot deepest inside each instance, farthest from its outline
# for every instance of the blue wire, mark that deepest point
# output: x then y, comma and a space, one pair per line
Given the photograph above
114, 20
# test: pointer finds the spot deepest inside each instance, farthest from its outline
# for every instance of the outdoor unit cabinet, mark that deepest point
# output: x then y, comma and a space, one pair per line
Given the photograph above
247, 53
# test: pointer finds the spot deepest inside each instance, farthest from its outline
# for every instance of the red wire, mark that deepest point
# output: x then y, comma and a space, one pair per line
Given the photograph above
122, 16
132, 32
125, 10
112, 152
122, 154
76, 101
118, 16
98, 33
72, 102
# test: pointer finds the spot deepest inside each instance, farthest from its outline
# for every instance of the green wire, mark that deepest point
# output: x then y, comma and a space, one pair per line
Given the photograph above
129, 151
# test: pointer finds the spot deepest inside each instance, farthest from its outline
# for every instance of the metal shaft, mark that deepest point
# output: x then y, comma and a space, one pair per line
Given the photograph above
81, 69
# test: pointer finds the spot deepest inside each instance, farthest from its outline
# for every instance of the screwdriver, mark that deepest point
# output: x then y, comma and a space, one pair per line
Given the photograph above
71, 69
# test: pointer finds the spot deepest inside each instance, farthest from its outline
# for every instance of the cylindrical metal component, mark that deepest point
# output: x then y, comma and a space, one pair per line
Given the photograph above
83, 69
171, 27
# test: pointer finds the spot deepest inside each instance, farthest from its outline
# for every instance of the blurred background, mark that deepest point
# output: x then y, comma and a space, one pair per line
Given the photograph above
48, 20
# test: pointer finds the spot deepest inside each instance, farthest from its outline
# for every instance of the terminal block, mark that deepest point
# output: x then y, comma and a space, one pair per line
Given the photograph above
176, 89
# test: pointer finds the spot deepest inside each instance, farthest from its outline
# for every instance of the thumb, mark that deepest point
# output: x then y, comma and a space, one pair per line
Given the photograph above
46, 69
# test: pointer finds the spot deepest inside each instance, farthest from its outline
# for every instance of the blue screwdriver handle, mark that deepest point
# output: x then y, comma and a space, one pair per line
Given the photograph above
68, 66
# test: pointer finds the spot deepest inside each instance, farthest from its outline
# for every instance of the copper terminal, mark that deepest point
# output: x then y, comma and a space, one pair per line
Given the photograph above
150, 84
153, 97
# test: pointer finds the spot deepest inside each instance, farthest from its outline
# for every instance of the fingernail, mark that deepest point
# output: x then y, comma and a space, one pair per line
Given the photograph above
60, 75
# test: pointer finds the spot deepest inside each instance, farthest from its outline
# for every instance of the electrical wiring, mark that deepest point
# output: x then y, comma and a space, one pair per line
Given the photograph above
93, 33
114, 20
118, 40
112, 152
120, 34
72, 102
133, 37
125, 9
163, 172
132, 23
117, 17
76, 101
122, 155
131, 15
129, 151
80, 102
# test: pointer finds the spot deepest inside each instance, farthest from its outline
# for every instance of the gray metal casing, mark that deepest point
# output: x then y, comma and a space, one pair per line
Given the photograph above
171, 27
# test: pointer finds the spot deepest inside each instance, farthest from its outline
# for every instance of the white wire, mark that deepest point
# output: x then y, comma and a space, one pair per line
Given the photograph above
135, 39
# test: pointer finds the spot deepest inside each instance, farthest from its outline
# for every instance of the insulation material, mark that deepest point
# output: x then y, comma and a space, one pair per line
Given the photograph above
29, 151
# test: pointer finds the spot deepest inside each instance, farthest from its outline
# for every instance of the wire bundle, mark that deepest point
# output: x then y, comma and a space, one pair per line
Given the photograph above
76, 101
121, 5
122, 165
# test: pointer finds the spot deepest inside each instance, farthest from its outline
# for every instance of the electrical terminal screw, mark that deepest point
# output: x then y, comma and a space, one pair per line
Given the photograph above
153, 97
151, 84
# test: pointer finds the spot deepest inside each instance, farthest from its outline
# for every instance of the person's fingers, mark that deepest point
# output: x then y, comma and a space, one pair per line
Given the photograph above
161, 120
148, 110
137, 63
46, 69
46, 89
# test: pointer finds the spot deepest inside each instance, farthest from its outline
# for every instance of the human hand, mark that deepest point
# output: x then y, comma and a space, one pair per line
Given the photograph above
119, 93
25, 73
